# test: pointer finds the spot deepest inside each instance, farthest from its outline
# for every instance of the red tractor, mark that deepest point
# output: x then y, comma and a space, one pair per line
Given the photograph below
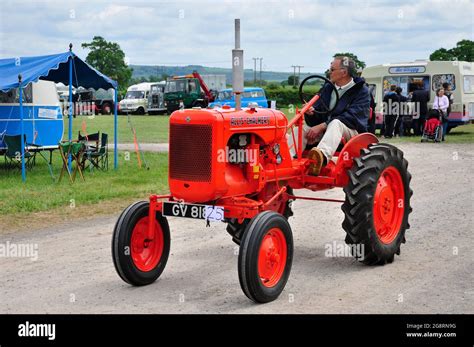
252, 193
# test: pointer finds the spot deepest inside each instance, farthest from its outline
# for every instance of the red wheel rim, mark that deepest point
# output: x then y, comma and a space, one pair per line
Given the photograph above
146, 254
272, 257
389, 205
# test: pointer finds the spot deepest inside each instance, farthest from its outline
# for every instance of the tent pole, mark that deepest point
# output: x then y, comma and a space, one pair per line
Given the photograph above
115, 129
70, 103
22, 132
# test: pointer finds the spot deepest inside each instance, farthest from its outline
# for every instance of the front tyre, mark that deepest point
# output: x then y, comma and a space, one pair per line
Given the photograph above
138, 260
265, 257
377, 204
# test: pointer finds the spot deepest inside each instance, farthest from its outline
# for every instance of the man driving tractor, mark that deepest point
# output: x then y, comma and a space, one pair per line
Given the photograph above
348, 119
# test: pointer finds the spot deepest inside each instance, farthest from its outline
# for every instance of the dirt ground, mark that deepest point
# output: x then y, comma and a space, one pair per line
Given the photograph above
74, 272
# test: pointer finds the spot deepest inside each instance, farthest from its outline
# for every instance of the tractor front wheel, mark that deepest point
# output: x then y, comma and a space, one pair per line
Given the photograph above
377, 204
265, 257
137, 259
236, 230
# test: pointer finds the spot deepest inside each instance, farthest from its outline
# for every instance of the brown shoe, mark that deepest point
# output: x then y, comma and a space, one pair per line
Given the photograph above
317, 158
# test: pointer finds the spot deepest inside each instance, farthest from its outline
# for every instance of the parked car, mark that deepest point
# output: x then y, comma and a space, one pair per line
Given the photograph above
250, 95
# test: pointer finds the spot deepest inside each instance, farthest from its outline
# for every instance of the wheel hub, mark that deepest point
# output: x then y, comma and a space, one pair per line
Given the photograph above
272, 257
388, 208
146, 253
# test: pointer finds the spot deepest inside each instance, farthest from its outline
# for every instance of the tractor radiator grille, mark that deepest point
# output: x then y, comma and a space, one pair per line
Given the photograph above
190, 152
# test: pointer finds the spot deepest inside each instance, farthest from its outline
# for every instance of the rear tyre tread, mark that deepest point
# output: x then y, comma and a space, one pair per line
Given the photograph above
358, 205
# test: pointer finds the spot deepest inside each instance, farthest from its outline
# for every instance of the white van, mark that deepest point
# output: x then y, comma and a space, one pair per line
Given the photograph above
430, 75
136, 99
42, 115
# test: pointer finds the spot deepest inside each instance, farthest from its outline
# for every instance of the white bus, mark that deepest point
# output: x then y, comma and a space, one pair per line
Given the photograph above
430, 75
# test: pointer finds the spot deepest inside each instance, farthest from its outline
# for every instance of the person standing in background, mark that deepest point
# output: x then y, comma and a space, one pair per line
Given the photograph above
449, 94
420, 98
402, 102
390, 105
371, 124
441, 103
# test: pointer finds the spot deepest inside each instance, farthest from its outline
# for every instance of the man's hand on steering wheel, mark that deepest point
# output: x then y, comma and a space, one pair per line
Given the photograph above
310, 112
307, 96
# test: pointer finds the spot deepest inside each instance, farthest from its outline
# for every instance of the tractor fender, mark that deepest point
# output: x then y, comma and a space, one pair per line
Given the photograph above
350, 151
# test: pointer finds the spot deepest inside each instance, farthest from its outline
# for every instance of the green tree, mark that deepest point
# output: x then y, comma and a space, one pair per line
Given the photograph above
464, 51
293, 80
108, 58
442, 54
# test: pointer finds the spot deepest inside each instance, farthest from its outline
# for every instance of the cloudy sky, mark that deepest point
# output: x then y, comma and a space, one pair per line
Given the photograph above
283, 32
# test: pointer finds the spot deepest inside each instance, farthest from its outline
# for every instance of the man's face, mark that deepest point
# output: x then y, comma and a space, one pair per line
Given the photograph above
336, 72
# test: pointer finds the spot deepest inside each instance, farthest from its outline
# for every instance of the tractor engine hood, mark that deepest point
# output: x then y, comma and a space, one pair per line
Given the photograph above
198, 170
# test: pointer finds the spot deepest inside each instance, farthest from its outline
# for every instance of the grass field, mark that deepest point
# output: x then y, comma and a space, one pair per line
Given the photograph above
41, 193
149, 129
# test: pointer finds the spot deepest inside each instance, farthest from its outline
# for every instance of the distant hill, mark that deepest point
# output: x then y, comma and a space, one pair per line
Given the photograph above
158, 70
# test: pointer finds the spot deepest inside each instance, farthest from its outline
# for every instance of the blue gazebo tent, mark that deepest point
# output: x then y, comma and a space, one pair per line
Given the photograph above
66, 68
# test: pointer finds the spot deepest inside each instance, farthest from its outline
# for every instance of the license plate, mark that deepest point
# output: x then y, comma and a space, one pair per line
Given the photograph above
207, 212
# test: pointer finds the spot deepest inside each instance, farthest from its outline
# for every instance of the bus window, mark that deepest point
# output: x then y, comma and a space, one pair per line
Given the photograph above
407, 83
469, 84
438, 81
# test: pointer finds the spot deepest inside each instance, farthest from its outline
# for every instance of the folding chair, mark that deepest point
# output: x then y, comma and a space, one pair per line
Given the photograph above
101, 157
13, 152
91, 143
75, 150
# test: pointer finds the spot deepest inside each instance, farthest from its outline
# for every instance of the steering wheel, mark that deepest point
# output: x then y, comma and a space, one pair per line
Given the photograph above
306, 96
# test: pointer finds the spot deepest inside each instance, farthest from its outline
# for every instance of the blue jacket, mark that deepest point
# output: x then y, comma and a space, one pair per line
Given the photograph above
352, 110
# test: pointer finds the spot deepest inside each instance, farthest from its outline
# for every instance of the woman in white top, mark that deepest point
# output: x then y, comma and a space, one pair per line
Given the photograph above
441, 103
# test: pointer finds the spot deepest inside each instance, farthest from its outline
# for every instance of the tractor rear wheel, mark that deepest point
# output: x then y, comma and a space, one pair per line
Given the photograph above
138, 260
265, 257
377, 204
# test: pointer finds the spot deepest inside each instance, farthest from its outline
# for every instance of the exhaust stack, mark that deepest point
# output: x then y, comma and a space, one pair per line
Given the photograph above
237, 68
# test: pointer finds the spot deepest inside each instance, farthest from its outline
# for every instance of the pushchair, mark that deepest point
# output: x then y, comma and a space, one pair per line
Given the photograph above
433, 129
